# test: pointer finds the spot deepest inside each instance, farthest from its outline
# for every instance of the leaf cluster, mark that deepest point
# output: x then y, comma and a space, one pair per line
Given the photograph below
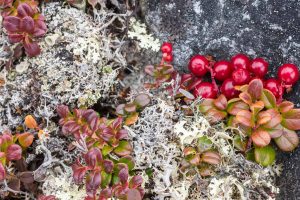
23, 23
202, 157
107, 164
260, 118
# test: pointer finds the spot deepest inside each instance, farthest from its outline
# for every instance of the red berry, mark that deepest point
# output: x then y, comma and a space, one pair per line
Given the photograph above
241, 77
166, 48
288, 74
198, 65
222, 70
168, 58
259, 67
240, 61
228, 89
205, 90
274, 86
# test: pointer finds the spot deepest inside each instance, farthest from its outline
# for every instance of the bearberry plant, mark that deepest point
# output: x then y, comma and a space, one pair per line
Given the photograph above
105, 166
23, 23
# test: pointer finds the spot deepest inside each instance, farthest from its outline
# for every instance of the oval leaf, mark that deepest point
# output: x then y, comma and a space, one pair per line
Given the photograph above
275, 118
291, 119
205, 105
285, 106
255, 88
264, 156
288, 141
245, 118
235, 107
261, 138
211, 157
246, 97
221, 102
25, 139
268, 98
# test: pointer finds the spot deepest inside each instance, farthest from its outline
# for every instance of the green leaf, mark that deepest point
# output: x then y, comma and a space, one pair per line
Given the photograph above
106, 150
291, 119
124, 148
204, 143
128, 160
288, 141
105, 179
239, 143
250, 155
268, 98
265, 156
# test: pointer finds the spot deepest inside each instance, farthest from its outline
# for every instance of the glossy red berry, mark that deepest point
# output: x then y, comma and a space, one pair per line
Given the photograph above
240, 61
222, 70
168, 58
259, 67
288, 74
241, 77
274, 86
228, 89
205, 90
198, 65
166, 47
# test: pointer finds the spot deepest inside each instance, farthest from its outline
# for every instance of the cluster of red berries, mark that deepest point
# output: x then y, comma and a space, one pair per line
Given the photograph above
240, 70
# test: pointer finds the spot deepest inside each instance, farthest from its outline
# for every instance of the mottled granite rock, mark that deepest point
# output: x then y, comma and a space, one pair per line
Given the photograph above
224, 27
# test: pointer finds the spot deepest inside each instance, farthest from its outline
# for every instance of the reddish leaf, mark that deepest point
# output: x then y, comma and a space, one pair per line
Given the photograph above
206, 105
11, 23
120, 109
24, 10
14, 184
14, 152
245, 118
93, 157
268, 98
130, 108
215, 115
63, 111
117, 123
221, 102
30, 122
5, 3
93, 181
285, 106
15, 37
123, 175
25, 139
105, 194
149, 69
40, 28
288, 141
235, 107
276, 131
70, 127
261, 138
275, 118
211, 157
27, 24
44, 197
78, 172
122, 134
32, 49
133, 194
142, 100
135, 181
255, 88
263, 118
2, 172
246, 97
26, 177
256, 107
108, 166
291, 119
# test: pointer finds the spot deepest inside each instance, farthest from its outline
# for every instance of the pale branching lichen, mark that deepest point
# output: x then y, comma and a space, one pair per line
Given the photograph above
158, 142
138, 32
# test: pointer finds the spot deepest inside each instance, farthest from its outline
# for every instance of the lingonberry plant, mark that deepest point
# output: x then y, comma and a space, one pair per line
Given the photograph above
202, 157
23, 23
244, 100
256, 113
106, 164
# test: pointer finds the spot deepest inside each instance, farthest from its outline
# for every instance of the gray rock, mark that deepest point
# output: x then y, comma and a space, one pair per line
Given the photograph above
222, 28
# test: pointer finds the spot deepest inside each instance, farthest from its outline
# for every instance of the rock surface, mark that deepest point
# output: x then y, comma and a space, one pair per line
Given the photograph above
222, 28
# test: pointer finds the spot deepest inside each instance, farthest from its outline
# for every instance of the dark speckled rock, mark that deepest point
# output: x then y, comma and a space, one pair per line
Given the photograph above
222, 28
